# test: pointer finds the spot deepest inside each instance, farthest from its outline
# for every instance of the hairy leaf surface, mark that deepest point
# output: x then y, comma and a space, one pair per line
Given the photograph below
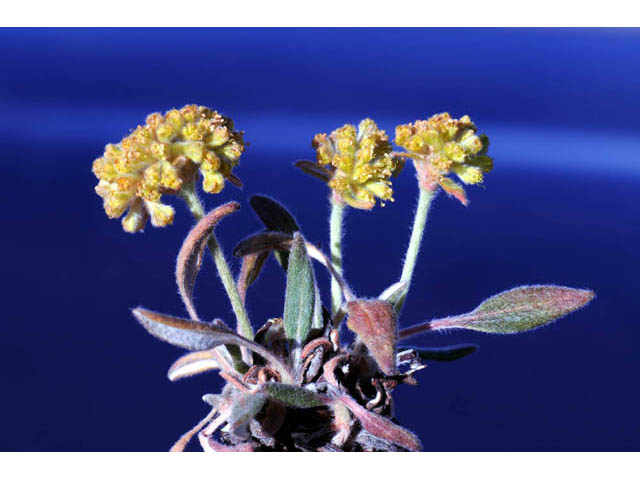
194, 335
519, 309
300, 293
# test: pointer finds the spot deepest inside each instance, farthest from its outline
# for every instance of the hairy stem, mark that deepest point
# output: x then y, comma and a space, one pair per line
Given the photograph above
224, 272
335, 241
419, 222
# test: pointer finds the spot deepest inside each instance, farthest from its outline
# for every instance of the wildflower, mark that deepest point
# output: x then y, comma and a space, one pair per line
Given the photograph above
357, 163
443, 145
161, 157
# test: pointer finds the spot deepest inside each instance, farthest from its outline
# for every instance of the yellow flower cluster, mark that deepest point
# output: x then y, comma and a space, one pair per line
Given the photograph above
359, 161
160, 157
442, 145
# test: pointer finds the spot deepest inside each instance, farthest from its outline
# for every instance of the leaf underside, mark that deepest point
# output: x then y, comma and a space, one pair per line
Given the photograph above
275, 218
443, 354
193, 335
191, 252
375, 323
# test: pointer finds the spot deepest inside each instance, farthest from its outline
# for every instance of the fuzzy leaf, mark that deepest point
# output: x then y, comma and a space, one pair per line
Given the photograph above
190, 256
263, 242
293, 396
454, 189
194, 335
182, 442
192, 364
313, 169
519, 309
212, 399
394, 292
244, 408
276, 218
251, 266
374, 321
300, 294
318, 317
266, 241
208, 444
444, 354
380, 426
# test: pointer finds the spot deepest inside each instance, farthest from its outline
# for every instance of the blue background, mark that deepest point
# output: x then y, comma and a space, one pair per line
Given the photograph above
561, 109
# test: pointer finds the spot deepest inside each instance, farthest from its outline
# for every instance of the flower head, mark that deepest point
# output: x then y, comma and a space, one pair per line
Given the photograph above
443, 145
162, 156
357, 163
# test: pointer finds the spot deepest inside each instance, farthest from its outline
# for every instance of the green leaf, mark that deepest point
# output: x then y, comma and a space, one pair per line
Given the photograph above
300, 294
444, 354
519, 309
293, 396
276, 218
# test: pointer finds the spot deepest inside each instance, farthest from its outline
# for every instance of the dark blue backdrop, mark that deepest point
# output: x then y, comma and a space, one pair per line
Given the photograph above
561, 109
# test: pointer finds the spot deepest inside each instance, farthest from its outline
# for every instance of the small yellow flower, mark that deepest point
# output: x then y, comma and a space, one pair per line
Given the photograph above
356, 162
443, 145
160, 157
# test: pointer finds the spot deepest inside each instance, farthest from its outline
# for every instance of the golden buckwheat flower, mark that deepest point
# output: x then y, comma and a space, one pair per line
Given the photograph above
356, 162
160, 157
443, 145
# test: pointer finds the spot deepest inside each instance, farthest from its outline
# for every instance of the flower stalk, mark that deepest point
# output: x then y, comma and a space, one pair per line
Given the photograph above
417, 232
190, 196
335, 242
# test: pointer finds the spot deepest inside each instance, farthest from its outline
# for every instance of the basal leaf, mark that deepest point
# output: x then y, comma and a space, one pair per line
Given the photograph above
519, 309
318, 317
267, 241
380, 426
193, 335
300, 293
277, 218
192, 364
444, 354
273, 214
251, 266
263, 242
375, 323
244, 408
182, 442
313, 169
293, 396
190, 255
